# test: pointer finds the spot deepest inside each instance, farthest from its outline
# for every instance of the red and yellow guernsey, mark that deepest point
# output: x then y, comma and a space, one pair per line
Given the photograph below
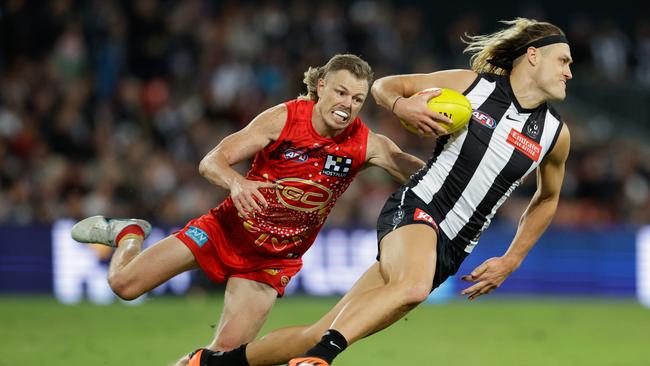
311, 173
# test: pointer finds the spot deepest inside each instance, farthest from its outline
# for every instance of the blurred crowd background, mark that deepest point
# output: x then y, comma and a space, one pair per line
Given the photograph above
107, 107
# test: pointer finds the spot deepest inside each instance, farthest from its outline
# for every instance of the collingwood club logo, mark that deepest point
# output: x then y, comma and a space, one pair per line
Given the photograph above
397, 217
533, 129
337, 166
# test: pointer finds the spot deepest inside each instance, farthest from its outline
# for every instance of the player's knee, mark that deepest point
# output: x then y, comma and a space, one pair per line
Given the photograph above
413, 293
125, 288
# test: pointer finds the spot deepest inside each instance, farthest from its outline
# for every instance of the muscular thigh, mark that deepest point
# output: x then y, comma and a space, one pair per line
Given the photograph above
408, 253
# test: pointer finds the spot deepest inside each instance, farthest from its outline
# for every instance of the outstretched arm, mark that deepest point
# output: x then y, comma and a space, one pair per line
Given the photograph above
384, 153
534, 221
401, 95
216, 166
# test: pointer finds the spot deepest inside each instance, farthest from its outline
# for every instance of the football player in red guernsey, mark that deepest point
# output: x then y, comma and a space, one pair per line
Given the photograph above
306, 153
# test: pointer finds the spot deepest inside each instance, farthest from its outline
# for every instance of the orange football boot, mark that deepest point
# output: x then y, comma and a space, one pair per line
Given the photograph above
306, 361
195, 357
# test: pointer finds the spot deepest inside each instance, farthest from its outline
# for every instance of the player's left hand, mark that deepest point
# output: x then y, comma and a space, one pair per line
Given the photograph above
488, 276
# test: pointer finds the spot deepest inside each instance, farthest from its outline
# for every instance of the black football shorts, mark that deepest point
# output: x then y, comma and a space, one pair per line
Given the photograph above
405, 208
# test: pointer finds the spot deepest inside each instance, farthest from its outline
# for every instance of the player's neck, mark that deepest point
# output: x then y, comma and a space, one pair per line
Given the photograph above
525, 89
320, 126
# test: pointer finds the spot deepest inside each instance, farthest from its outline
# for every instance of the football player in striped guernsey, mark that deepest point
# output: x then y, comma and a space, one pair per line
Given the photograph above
428, 227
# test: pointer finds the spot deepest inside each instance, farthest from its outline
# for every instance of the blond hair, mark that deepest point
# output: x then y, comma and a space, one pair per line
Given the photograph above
352, 63
493, 53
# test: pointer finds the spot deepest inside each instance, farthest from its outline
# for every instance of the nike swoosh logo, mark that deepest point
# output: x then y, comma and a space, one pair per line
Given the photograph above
335, 345
513, 119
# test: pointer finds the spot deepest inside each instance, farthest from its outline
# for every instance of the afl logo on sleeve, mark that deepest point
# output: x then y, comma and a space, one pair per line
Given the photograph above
337, 166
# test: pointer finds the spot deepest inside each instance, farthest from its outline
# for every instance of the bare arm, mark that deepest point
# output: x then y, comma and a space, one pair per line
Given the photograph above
399, 94
534, 221
384, 153
216, 166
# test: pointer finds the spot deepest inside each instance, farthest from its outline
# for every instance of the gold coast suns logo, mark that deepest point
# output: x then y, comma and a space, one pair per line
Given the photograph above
302, 194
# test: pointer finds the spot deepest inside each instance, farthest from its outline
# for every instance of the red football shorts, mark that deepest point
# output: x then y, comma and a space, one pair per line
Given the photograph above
216, 252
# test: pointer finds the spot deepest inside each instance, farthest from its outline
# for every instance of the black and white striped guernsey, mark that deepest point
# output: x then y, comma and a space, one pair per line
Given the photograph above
473, 171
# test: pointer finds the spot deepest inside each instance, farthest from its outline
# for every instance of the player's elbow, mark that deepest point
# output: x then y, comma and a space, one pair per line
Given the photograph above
204, 165
203, 169
374, 89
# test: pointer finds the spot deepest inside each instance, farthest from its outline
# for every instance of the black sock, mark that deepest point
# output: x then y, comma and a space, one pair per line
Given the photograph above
235, 357
329, 346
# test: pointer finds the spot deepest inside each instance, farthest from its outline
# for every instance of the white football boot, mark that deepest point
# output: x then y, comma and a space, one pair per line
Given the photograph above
103, 230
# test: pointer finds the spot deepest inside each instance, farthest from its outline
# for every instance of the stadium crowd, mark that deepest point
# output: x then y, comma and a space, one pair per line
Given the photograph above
108, 106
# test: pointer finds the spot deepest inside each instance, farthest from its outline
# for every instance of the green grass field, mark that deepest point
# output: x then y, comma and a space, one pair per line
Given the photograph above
490, 332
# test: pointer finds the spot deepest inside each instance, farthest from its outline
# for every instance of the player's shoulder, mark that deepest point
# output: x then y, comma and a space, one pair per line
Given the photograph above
554, 112
357, 130
491, 76
271, 121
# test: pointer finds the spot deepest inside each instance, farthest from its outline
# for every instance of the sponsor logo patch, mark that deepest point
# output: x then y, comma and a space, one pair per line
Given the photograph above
420, 215
484, 119
522, 143
199, 236
513, 118
337, 166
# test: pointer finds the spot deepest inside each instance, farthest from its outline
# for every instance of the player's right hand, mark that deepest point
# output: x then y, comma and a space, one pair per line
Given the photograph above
247, 197
414, 110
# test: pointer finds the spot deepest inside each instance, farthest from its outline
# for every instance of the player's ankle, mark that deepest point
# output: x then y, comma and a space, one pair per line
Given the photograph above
133, 232
330, 345
235, 357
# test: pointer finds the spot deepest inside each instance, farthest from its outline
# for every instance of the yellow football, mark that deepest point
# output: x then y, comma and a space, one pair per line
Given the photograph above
451, 104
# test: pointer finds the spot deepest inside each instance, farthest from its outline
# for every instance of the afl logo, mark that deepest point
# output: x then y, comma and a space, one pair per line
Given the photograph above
302, 194
484, 119
299, 155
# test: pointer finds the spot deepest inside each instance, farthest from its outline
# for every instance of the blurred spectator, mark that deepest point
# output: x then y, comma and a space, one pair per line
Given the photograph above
609, 49
642, 50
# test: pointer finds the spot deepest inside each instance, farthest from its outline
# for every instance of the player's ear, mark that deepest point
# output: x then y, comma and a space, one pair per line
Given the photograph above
532, 55
319, 87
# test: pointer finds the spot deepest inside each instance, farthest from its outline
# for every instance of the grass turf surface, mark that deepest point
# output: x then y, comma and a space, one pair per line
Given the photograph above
489, 332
